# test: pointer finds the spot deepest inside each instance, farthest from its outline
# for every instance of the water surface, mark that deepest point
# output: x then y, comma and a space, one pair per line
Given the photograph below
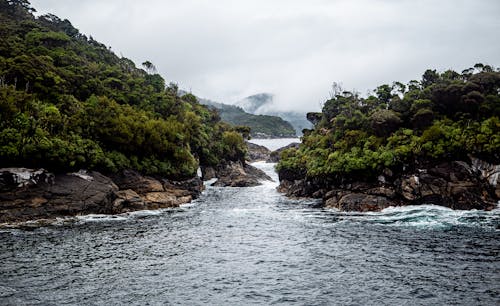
252, 246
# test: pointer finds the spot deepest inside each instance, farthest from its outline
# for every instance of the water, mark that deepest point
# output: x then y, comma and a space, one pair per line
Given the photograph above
252, 246
274, 143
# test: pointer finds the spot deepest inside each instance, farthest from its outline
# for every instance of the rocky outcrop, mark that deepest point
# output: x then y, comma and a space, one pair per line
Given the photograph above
237, 174
27, 194
257, 152
457, 185
274, 157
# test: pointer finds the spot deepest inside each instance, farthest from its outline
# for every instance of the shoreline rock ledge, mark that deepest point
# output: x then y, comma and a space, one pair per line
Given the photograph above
29, 194
457, 184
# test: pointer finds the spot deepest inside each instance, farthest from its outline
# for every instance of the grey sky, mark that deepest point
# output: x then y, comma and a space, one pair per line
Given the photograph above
226, 50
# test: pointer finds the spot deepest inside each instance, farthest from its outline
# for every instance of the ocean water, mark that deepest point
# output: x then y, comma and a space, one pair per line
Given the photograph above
252, 246
274, 143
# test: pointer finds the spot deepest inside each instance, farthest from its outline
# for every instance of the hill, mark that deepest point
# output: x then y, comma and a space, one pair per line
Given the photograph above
262, 126
262, 104
67, 102
431, 141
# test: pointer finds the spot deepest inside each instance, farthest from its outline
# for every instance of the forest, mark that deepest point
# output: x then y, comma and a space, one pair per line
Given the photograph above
67, 102
442, 117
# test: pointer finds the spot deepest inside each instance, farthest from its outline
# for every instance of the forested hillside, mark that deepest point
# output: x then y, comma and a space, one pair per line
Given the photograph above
68, 102
443, 117
261, 126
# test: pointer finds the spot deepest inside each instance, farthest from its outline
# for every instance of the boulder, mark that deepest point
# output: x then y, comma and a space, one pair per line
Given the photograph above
237, 174
359, 202
61, 195
257, 152
456, 184
27, 194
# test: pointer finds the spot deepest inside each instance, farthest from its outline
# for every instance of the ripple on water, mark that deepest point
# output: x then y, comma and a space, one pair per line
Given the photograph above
237, 246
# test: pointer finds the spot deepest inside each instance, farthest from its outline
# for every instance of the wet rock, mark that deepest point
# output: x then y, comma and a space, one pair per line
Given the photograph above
208, 173
237, 174
65, 195
36, 194
359, 202
257, 152
457, 185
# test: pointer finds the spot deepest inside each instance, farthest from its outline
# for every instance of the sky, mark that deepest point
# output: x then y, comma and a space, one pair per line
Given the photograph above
225, 50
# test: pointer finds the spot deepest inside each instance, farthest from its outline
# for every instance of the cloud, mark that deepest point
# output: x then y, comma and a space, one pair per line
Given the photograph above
225, 50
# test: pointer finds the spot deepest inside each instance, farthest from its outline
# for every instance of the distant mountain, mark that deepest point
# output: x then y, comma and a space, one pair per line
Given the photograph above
261, 104
262, 126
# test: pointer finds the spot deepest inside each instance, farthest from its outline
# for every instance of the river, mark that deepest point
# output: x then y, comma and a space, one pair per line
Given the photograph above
252, 246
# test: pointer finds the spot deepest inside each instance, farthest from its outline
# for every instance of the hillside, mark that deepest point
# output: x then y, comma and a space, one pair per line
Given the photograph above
261, 104
426, 129
262, 126
67, 102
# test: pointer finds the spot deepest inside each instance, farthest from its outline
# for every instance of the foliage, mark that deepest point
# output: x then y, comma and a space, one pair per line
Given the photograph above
67, 102
444, 116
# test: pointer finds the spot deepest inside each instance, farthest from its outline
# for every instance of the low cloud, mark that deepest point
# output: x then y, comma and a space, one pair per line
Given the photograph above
226, 50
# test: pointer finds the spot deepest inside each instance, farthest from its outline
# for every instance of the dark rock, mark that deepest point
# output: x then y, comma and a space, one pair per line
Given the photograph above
359, 202
257, 152
457, 184
208, 173
66, 195
235, 174
36, 194
192, 187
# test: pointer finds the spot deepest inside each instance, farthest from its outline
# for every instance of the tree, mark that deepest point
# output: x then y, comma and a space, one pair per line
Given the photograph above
150, 68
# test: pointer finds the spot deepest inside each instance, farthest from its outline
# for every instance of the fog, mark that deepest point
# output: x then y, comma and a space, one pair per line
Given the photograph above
226, 50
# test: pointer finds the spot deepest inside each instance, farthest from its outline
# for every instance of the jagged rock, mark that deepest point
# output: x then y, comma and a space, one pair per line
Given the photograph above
65, 195
457, 184
28, 194
208, 173
257, 152
235, 174
192, 187
274, 157
129, 179
359, 202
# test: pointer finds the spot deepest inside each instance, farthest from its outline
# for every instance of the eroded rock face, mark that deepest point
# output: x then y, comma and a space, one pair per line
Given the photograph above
65, 195
236, 174
27, 194
257, 152
457, 185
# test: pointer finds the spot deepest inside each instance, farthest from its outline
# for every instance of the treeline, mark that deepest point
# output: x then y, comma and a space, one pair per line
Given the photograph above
444, 116
68, 102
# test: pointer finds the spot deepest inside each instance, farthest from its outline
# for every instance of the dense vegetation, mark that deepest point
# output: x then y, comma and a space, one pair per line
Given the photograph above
260, 125
445, 116
68, 102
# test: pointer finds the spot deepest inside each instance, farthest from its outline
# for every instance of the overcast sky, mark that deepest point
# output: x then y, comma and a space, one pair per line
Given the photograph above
225, 50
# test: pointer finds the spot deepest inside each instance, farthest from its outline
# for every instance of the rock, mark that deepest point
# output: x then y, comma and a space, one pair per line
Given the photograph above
257, 152
128, 200
28, 194
359, 202
274, 157
208, 173
235, 174
129, 179
65, 195
192, 187
456, 184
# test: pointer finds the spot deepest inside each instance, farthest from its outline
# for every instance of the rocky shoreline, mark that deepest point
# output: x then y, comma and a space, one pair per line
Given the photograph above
27, 194
460, 185
33, 194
